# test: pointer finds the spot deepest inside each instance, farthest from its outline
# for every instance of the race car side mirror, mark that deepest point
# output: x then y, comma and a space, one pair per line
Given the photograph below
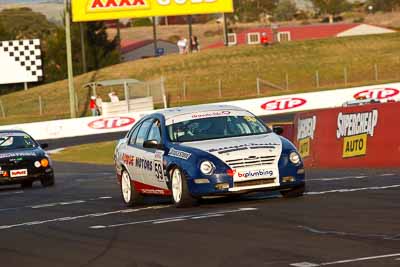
152, 144
278, 130
44, 146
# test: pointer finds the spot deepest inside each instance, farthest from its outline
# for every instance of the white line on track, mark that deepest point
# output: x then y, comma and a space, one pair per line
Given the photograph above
169, 221
310, 264
68, 219
175, 219
338, 178
55, 204
387, 174
345, 190
11, 193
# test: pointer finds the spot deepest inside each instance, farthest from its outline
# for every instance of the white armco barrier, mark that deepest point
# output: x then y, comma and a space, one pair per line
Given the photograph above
259, 106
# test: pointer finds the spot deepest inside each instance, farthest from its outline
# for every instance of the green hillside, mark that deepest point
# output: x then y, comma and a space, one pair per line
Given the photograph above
236, 67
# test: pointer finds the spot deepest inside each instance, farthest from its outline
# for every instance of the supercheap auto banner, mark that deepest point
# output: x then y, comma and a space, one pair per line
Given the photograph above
359, 136
93, 10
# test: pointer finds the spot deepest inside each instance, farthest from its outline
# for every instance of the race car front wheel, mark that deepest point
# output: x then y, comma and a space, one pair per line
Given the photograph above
180, 192
294, 192
129, 194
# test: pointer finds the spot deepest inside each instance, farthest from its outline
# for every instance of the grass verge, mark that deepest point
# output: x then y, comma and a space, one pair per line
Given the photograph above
97, 153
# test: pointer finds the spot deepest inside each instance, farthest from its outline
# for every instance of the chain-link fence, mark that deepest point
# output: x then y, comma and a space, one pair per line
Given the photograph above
274, 82
207, 87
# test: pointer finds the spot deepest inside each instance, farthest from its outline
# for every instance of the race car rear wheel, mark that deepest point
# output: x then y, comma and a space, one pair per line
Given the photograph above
294, 192
129, 194
26, 184
48, 181
180, 192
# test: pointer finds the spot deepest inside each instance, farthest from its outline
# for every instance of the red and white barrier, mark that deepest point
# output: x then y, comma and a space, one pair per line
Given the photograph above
362, 136
259, 106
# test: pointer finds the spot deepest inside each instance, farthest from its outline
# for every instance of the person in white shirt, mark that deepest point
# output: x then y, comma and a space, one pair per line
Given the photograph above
182, 45
113, 97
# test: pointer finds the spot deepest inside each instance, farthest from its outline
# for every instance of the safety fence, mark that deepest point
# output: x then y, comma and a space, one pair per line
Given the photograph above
259, 81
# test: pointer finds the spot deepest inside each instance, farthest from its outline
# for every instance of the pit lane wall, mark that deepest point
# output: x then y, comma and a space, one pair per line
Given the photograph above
349, 137
265, 106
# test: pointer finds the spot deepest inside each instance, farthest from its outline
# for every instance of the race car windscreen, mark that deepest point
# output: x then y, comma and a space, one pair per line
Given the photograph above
16, 141
216, 127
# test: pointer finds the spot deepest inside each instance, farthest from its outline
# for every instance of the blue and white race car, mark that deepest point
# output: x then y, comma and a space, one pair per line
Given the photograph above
208, 150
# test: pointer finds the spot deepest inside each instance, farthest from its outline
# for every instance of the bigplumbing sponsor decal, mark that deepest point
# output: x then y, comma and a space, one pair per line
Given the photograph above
355, 128
305, 133
91, 10
255, 174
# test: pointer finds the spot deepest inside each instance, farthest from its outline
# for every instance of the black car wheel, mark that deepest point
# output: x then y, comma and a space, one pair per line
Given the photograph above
26, 184
294, 192
48, 181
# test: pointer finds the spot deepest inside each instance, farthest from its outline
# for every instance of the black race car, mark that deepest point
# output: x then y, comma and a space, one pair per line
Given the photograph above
23, 160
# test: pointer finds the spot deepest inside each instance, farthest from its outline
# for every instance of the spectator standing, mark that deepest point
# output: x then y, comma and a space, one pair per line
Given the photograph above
99, 103
182, 45
113, 97
92, 105
264, 39
195, 44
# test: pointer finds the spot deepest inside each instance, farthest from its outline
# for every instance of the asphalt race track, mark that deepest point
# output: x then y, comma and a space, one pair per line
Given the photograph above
347, 218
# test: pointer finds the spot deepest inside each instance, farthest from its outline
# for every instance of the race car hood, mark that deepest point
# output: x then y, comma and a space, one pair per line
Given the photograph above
23, 154
236, 151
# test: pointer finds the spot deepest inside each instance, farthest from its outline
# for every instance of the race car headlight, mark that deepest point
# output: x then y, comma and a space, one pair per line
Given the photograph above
37, 164
44, 162
207, 167
294, 158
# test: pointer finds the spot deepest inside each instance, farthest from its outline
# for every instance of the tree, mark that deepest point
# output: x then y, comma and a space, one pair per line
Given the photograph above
4, 34
383, 5
331, 7
286, 10
250, 10
101, 50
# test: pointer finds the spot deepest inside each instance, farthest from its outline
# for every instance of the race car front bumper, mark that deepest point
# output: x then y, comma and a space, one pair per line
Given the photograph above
32, 176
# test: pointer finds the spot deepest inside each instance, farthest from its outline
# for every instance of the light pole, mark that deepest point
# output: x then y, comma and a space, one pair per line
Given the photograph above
69, 60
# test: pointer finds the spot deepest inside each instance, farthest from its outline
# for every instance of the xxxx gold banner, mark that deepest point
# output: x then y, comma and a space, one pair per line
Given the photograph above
92, 10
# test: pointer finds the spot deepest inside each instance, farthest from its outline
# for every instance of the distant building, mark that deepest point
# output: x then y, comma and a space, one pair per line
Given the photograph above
133, 50
302, 32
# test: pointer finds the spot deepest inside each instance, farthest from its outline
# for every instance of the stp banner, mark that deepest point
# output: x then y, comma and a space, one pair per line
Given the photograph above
92, 10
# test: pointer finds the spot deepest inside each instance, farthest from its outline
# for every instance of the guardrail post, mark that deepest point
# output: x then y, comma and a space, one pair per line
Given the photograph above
287, 81
184, 90
317, 79
220, 88
126, 92
148, 86
345, 76
376, 72
258, 86
164, 96
3, 113
76, 102
40, 106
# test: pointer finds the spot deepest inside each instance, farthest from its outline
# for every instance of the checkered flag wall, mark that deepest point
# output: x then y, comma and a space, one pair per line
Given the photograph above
20, 61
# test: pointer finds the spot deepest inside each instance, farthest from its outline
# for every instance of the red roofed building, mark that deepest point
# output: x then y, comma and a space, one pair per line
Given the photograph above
302, 32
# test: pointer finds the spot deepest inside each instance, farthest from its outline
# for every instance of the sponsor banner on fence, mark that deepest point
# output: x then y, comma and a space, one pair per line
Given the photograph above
317, 100
259, 106
94, 10
78, 127
361, 136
